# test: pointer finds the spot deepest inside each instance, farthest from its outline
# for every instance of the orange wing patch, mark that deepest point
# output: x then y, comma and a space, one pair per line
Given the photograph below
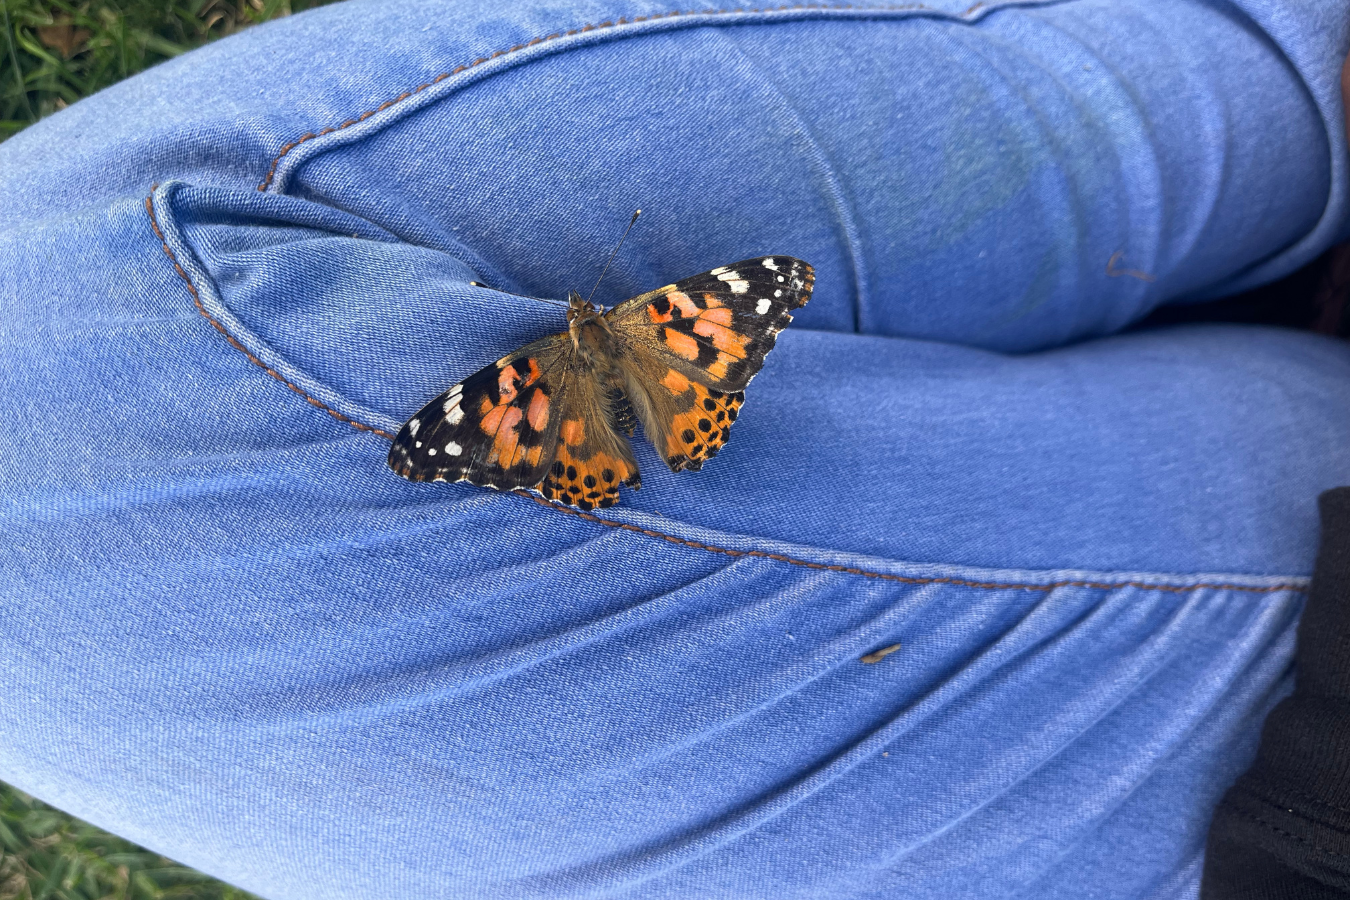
516, 402
714, 323
675, 304
681, 344
701, 333
701, 424
583, 476
588, 483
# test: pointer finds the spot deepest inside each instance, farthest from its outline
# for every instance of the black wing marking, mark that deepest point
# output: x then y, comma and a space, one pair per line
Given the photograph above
718, 326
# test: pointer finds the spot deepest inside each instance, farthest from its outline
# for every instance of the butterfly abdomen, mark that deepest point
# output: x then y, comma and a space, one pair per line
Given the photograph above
621, 413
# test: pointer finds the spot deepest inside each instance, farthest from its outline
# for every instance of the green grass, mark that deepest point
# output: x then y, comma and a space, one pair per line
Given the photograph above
56, 51
48, 855
53, 53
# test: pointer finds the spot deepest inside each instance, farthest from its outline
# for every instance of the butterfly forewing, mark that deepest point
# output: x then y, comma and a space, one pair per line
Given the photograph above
717, 327
695, 345
496, 428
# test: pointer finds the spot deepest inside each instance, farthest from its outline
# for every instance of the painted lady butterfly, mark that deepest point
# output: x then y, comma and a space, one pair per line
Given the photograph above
552, 416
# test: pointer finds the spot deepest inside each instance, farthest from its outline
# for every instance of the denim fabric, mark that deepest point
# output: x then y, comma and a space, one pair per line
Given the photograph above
227, 631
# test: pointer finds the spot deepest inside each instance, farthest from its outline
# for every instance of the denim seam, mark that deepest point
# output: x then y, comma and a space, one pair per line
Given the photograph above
969, 12
906, 579
234, 342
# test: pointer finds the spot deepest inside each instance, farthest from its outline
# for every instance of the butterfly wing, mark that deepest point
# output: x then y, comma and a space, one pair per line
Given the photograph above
592, 458
717, 327
690, 349
534, 419
497, 428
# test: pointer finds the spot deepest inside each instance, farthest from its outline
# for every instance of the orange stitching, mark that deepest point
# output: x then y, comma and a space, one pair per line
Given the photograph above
711, 548
309, 136
197, 301
904, 579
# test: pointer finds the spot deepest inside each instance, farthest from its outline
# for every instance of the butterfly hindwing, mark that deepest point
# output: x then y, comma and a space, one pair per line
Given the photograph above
691, 421
497, 428
592, 457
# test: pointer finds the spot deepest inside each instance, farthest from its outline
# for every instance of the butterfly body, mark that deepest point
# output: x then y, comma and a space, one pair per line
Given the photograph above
552, 416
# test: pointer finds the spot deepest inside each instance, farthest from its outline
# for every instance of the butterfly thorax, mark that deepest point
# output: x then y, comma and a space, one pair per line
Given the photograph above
591, 335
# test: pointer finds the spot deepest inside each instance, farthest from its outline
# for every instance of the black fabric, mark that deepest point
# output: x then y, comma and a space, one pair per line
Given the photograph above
1283, 830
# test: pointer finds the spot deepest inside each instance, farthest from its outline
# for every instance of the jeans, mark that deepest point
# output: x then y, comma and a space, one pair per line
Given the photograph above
229, 632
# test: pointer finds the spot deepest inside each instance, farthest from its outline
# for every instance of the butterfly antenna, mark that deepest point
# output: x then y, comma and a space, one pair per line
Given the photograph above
614, 254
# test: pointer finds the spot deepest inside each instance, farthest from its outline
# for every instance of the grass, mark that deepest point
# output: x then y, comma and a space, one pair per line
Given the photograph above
48, 855
53, 53
56, 51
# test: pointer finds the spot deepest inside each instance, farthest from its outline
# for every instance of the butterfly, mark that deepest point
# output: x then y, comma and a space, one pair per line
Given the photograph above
554, 416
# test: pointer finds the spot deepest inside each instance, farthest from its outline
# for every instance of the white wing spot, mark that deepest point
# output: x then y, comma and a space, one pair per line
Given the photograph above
734, 281
413, 425
417, 443
453, 449
431, 451
778, 293
453, 414
719, 270
727, 275
770, 264
781, 278
763, 305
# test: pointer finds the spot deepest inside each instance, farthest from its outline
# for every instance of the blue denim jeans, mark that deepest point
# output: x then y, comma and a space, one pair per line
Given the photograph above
229, 632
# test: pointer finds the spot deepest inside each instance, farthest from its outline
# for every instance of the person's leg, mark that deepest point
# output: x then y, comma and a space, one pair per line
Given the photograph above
231, 633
